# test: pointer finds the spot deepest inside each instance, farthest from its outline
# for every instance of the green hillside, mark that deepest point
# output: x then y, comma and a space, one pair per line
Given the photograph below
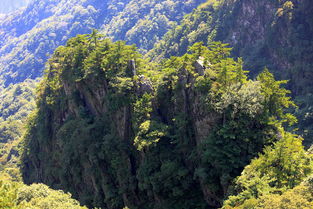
273, 34
28, 38
156, 104
116, 130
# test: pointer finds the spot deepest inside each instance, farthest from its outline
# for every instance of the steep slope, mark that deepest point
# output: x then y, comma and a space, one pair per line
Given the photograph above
41, 27
16, 103
276, 34
280, 178
27, 37
144, 22
117, 131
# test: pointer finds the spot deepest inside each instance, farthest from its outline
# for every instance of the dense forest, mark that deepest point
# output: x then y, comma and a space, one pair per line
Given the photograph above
126, 104
276, 34
30, 36
152, 136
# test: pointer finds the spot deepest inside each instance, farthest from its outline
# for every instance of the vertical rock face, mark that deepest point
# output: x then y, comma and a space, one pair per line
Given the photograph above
131, 68
274, 34
251, 28
88, 148
115, 130
277, 35
250, 23
89, 136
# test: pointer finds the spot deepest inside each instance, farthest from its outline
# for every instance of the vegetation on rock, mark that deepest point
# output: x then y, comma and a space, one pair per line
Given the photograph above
116, 130
183, 125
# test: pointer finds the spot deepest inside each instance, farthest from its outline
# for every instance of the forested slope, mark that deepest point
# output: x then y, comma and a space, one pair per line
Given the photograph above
116, 130
29, 36
203, 129
16, 103
144, 22
274, 34
37, 196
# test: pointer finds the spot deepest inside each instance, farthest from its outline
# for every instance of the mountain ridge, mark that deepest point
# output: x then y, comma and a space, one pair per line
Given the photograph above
158, 109
53, 22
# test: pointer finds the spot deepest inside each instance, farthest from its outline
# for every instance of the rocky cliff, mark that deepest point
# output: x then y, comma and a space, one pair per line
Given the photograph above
116, 130
274, 34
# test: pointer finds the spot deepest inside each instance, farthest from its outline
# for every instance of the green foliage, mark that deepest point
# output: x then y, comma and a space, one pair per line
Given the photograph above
116, 130
8, 193
194, 27
253, 35
298, 197
144, 22
143, 108
275, 98
150, 132
16, 102
29, 37
15, 195
247, 121
305, 117
274, 175
42, 197
127, 132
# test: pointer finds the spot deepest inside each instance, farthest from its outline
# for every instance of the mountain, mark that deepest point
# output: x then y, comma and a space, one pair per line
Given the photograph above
165, 104
8, 6
30, 35
116, 130
144, 22
249, 27
273, 34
